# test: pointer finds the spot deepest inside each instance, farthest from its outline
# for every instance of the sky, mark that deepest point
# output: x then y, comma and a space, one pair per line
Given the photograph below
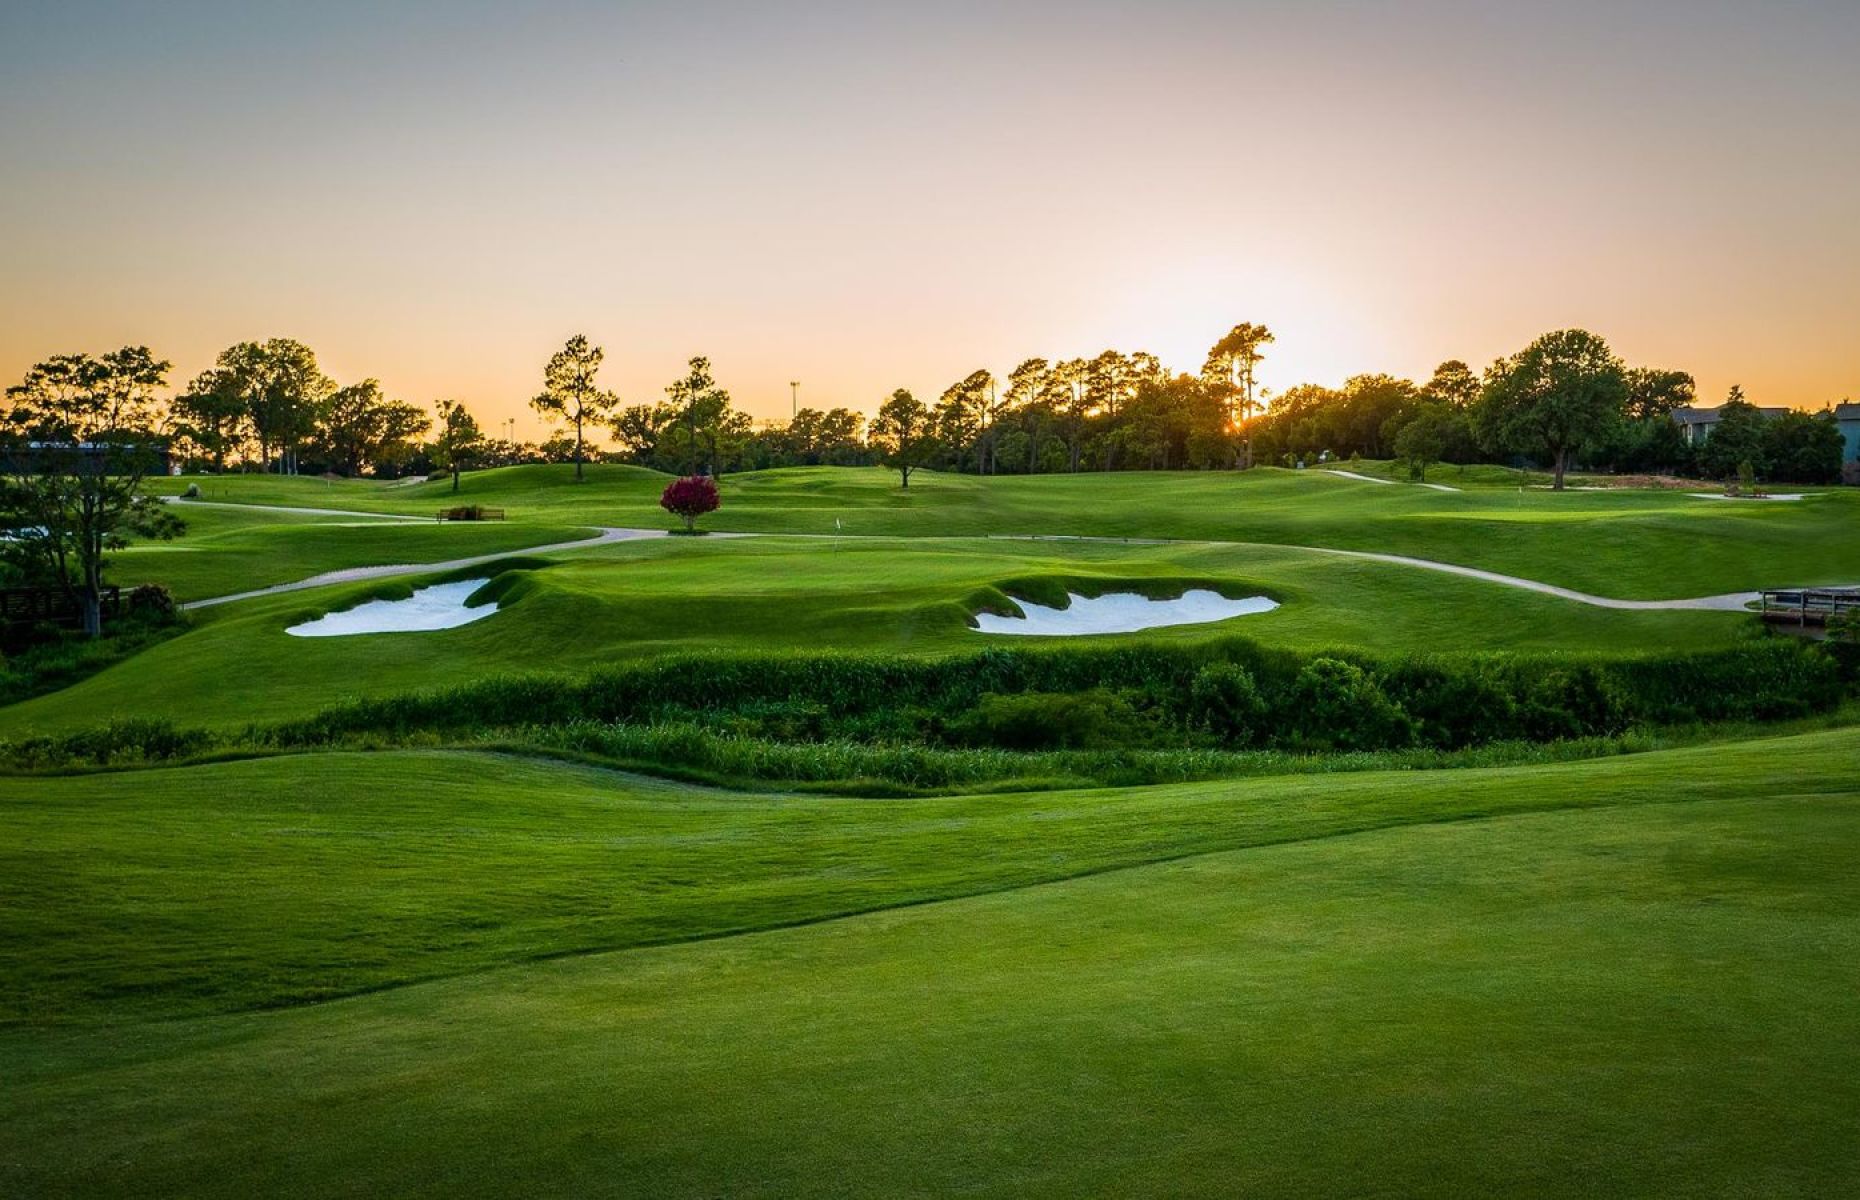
865, 196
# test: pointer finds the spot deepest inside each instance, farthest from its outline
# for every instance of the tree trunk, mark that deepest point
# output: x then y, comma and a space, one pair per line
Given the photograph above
904, 473
455, 477
93, 597
690, 524
1562, 460
577, 449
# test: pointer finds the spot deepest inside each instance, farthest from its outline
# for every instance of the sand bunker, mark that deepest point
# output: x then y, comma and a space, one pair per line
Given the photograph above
1122, 612
1764, 496
441, 606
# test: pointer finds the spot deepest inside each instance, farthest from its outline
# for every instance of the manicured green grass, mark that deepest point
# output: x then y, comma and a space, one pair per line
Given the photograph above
270, 881
632, 600
225, 551
1636, 544
1632, 976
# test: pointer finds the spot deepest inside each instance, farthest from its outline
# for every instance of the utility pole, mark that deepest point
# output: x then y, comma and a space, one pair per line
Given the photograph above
794, 399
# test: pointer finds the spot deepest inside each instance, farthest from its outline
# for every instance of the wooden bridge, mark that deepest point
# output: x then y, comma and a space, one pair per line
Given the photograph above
1808, 606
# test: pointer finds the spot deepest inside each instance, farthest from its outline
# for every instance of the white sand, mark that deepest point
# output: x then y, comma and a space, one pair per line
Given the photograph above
1766, 496
1122, 612
441, 606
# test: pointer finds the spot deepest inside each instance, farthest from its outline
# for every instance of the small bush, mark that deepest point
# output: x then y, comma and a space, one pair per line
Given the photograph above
151, 601
1224, 700
1339, 705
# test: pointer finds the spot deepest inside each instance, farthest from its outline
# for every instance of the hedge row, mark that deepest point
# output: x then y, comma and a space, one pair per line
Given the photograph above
1231, 693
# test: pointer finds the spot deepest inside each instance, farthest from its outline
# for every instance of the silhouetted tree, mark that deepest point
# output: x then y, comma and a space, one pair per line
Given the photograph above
77, 437
570, 393
902, 432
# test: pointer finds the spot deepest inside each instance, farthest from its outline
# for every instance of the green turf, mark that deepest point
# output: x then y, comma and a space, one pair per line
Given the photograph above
1627, 543
225, 550
638, 599
1627, 977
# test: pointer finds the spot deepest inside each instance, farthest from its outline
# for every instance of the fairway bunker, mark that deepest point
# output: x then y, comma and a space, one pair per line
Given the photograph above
1121, 612
441, 606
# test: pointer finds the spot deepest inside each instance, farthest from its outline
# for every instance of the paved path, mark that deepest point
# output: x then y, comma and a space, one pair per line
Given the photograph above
357, 574
1727, 602
1438, 487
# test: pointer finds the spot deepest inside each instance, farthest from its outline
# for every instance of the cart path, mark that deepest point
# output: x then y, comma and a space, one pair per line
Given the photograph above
1725, 602
1438, 487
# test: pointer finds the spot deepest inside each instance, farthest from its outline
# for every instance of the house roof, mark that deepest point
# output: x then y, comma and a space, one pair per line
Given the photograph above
1688, 415
1847, 412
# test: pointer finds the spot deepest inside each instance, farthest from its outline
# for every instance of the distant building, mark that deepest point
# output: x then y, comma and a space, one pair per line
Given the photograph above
1697, 423
1847, 417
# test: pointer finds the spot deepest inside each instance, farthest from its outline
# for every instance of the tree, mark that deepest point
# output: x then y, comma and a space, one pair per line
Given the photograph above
460, 440
570, 393
1234, 359
282, 390
691, 497
1737, 438
211, 413
80, 434
901, 430
1802, 448
1653, 393
1424, 437
703, 426
363, 428
1562, 392
960, 414
1453, 384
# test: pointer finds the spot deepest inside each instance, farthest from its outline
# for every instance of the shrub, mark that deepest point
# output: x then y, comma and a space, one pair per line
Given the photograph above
152, 601
1224, 700
1047, 720
690, 498
1338, 704
192, 492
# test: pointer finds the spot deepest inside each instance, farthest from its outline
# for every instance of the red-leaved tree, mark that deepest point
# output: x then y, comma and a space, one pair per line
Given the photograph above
691, 497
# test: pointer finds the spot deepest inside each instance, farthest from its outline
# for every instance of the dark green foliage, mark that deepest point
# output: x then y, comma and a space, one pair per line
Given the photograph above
119, 742
1339, 700
1226, 693
1048, 721
1337, 704
151, 601
1224, 700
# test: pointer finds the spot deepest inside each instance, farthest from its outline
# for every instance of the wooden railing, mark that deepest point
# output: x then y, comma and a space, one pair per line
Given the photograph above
29, 605
1808, 606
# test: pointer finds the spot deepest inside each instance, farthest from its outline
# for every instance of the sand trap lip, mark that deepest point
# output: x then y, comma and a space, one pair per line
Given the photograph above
441, 606
1121, 612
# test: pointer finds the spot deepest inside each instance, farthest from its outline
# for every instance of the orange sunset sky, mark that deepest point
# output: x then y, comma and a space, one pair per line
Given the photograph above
869, 196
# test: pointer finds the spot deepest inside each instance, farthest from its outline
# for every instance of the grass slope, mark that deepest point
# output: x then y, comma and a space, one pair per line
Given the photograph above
633, 600
272, 881
225, 551
1647, 991
1633, 544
